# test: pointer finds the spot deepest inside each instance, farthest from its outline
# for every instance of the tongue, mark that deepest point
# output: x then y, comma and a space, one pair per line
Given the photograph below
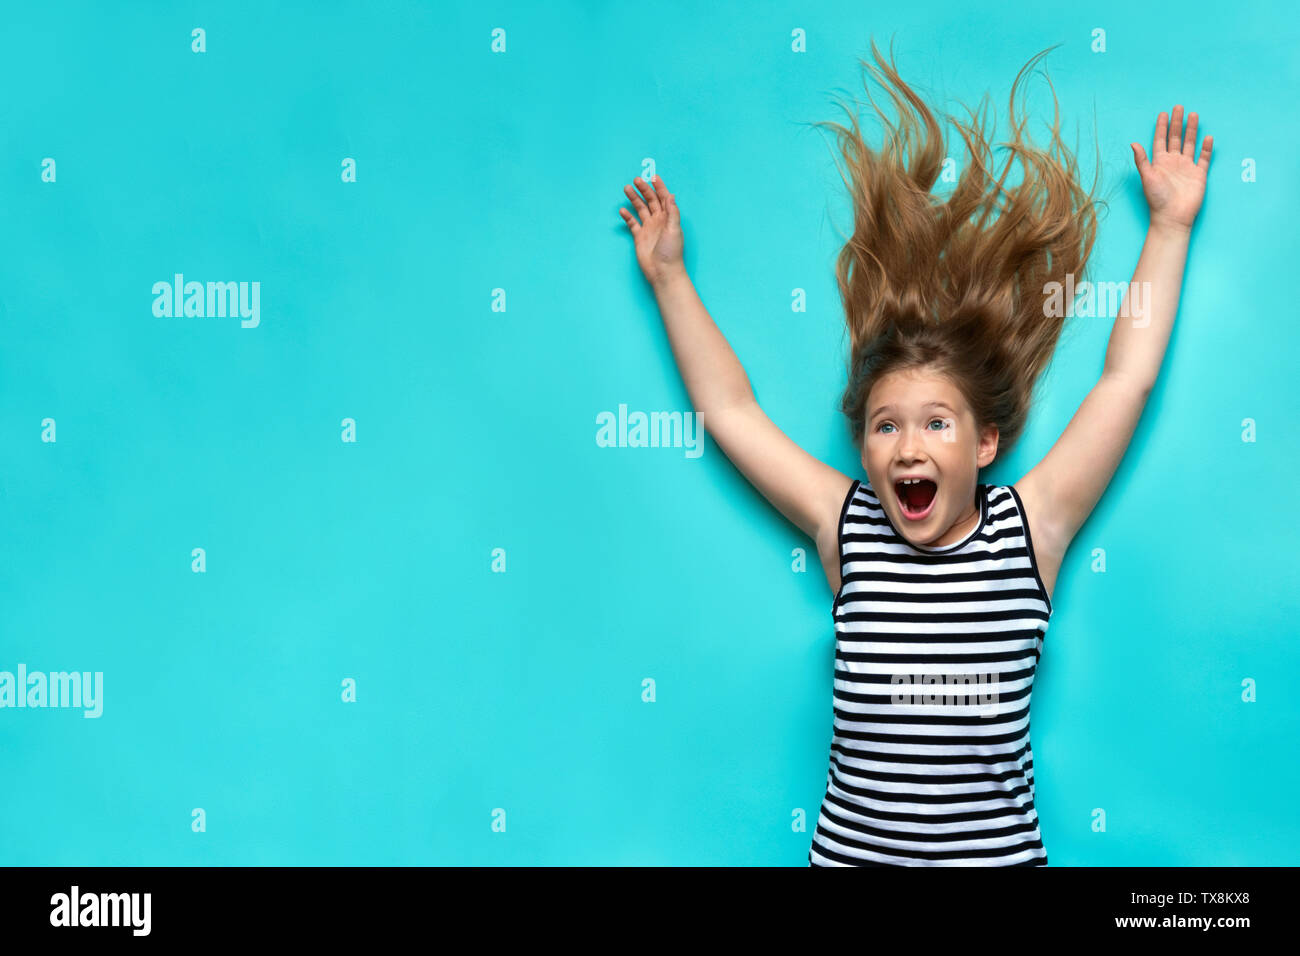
918, 496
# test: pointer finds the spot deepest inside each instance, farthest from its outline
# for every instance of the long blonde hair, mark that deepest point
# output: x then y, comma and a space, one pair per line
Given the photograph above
957, 285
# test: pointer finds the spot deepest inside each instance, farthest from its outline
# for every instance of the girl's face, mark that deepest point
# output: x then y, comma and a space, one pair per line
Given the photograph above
919, 426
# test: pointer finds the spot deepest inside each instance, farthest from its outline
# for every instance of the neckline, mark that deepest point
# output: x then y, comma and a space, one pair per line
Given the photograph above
981, 492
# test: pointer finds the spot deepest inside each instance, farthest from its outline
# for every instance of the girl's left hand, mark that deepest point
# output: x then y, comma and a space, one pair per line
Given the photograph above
1174, 179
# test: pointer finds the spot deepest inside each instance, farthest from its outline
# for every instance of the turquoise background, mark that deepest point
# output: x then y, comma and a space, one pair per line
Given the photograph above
476, 430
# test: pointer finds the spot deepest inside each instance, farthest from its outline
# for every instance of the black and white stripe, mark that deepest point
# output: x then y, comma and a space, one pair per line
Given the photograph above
940, 784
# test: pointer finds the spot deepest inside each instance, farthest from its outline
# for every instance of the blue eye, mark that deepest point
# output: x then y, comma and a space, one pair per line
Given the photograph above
942, 424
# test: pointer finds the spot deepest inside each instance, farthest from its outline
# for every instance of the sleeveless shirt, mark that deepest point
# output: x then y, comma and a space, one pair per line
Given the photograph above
920, 773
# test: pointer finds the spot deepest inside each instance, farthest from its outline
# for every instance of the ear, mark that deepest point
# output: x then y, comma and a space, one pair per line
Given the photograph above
987, 449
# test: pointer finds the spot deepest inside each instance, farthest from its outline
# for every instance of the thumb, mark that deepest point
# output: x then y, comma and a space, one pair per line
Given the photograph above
1140, 158
674, 215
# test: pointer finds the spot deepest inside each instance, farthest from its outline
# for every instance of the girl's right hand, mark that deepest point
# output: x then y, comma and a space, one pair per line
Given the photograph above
658, 234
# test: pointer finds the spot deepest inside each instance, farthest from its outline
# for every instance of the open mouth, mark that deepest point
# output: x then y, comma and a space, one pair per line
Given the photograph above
916, 497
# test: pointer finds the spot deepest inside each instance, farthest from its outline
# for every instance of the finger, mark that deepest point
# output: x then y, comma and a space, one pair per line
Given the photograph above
661, 191
1189, 144
648, 191
630, 220
674, 217
1140, 157
1162, 132
1176, 131
1206, 148
637, 204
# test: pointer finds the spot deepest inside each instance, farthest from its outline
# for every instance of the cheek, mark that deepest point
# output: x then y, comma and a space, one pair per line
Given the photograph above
954, 444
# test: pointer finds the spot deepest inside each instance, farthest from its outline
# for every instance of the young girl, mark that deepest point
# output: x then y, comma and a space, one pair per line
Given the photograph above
942, 593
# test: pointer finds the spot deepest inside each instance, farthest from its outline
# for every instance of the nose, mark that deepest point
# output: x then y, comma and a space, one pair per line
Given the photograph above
910, 449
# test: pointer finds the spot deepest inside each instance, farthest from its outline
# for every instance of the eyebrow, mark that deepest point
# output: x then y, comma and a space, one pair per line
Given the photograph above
890, 408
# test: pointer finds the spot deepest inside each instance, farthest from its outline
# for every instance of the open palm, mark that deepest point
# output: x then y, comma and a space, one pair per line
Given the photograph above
1174, 178
657, 233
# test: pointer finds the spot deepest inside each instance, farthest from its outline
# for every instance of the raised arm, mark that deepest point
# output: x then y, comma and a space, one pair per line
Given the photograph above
808, 492
1061, 490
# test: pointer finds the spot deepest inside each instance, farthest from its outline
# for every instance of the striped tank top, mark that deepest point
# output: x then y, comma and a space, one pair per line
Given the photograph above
921, 774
